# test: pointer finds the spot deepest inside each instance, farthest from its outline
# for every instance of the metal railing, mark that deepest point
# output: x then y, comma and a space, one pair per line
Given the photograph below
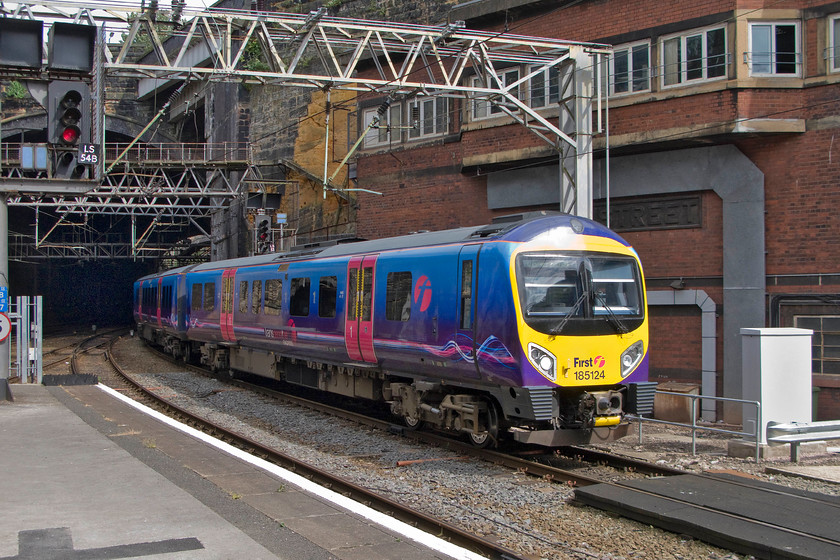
795, 433
155, 154
694, 427
26, 317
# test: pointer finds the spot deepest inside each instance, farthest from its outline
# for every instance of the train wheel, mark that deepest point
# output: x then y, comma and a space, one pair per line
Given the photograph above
490, 438
412, 423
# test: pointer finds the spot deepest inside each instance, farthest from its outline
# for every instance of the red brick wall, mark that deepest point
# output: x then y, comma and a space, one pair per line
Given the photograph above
425, 189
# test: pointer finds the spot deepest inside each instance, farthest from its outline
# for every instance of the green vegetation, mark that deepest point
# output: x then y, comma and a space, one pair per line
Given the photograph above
16, 90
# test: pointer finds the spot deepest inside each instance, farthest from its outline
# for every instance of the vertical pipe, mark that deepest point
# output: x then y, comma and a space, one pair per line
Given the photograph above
5, 346
327, 144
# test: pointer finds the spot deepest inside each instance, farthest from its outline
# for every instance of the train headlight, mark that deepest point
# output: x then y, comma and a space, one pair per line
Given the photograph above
543, 360
631, 357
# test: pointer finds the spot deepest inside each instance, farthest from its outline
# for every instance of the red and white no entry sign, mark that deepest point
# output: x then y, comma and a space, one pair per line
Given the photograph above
5, 327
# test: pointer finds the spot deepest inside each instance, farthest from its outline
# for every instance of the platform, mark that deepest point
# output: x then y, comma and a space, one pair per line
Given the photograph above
85, 475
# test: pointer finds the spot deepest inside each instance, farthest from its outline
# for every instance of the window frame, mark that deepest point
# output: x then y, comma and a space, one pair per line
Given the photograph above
387, 132
629, 49
772, 53
550, 86
438, 120
684, 70
833, 42
510, 75
818, 341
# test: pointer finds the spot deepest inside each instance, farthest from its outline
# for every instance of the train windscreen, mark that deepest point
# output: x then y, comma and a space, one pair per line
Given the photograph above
579, 293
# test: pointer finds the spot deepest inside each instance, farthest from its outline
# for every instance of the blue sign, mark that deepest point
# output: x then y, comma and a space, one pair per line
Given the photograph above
281, 218
4, 299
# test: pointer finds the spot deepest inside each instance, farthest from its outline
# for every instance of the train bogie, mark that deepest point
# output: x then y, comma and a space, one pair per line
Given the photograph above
534, 328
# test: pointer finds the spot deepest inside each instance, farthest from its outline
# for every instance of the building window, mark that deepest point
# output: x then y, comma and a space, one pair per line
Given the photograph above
387, 130
481, 107
774, 49
825, 342
398, 296
698, 55
630, 69
833, 52
427, 117
544, 88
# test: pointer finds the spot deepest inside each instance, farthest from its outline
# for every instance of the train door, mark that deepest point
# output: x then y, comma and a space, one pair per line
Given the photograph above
358, 323
226, 315
467, 296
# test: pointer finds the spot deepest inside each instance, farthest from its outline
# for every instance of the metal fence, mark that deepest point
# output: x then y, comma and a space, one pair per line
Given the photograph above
694, 427
26, 318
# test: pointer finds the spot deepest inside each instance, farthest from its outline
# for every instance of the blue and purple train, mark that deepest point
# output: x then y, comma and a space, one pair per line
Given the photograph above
533, 328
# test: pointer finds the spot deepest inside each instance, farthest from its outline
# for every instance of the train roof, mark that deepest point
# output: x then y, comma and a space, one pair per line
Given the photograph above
505, 228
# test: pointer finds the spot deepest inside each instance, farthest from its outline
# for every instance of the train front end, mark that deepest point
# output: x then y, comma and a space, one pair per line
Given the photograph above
583, 329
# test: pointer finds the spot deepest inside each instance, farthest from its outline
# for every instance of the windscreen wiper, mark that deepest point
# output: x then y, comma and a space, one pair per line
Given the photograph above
559, 328
612, 318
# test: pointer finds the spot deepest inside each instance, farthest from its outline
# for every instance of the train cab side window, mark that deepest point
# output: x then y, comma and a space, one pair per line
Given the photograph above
466, 295
398, 296
273, 296
243, 296
327, 292
209, 296
256, 302
196, 302
299, 297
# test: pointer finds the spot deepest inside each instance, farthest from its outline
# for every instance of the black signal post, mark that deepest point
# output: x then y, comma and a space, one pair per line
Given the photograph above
263, 234
69, 127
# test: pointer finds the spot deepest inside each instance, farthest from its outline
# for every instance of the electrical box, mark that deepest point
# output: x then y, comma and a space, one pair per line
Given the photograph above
776, 371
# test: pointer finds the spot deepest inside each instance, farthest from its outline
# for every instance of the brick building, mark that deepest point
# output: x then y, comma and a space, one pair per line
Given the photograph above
722, 167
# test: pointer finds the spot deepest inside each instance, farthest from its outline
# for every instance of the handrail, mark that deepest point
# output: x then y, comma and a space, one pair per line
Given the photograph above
174, 152
756, 436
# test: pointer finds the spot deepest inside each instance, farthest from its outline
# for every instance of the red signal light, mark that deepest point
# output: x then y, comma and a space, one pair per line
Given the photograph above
70, 135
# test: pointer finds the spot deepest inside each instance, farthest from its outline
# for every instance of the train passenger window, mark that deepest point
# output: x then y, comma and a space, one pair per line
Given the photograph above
398, 296
353, 294
209, 296
466, 294
166, 301
256, 302
367, 292
327, 292
273, 296
299, 297
195, 305
243, 296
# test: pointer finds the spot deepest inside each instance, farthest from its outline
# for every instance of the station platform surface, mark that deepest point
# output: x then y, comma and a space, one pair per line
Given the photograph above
85, 475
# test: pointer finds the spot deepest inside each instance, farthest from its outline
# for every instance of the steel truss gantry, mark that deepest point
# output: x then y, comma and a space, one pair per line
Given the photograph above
373, 58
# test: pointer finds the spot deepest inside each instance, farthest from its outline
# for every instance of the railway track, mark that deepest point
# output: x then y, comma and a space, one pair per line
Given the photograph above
363, 495
749, 531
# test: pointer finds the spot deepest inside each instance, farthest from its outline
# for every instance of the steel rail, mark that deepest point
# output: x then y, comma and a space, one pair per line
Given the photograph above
360, 494
508, 460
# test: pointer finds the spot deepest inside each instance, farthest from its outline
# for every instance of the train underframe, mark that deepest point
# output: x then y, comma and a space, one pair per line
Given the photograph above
545, 416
